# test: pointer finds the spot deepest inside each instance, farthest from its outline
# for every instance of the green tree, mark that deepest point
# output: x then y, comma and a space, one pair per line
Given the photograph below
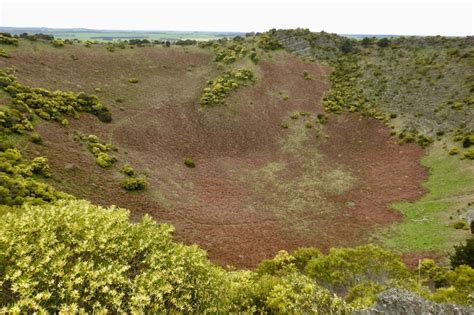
463, 254
383, 42
347, 46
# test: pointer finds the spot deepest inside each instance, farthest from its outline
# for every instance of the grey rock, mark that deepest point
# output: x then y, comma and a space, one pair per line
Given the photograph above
402, 302
70, 167
469, 217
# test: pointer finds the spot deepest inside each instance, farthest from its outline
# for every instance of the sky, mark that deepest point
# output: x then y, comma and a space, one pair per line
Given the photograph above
403, 17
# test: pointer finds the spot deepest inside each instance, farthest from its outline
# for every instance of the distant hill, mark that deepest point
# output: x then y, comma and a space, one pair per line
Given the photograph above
109, 35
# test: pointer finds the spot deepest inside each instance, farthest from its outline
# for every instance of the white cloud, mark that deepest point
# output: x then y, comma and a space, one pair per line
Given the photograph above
417, 17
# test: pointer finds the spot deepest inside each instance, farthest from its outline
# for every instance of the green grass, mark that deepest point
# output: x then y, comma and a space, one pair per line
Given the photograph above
427, 225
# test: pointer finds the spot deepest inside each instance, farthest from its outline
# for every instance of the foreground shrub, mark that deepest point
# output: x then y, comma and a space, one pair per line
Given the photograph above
293, 293
76, 257
345, 268
458, 288
355, 274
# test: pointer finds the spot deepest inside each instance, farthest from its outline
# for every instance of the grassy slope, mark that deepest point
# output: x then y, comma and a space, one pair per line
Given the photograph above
427, 225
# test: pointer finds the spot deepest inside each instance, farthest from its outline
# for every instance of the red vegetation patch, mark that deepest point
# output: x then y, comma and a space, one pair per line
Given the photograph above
160, 123
412, 260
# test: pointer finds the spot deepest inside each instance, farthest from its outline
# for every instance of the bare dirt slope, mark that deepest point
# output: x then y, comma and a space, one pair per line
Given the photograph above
257, 187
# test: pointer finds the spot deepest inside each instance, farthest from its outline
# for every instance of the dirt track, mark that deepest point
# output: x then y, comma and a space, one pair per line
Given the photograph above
257, 187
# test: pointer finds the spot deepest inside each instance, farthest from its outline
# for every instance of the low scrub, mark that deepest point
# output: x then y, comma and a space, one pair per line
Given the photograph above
127, 170
268, 42
6, 39
100, 150
50, 105
17, 184
229, 81
57, 43
190, 163
228, 53
134, 183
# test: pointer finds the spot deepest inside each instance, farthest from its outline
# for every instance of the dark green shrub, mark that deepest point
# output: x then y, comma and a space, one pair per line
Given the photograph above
190, 163
383, 42
468, 141
366, 42
463, 254
253, 57
460, 225
36, 138
424, 141
322, 119
347, 46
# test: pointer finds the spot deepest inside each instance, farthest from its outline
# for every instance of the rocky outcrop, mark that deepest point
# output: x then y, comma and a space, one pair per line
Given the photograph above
402, 302
470, 219
295, 44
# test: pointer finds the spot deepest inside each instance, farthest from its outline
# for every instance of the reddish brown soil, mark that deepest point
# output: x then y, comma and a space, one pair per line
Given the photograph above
160, 124
412, 260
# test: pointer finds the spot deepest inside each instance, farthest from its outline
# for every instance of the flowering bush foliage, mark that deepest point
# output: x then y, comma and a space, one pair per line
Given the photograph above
17, 185
99, 149
75, 257
51, 105
229, 53
219, 88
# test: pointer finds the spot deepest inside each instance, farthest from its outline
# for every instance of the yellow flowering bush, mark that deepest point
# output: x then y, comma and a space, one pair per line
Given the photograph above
218, 89
81, 257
